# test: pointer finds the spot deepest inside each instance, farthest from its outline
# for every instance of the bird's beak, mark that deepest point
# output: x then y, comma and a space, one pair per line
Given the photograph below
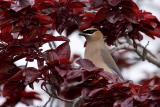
83, 34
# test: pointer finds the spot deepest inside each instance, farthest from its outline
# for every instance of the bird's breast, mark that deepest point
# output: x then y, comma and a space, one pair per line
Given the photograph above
94, 54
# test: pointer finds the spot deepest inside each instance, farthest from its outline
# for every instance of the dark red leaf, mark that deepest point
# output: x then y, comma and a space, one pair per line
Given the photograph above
44, 19
76, 5
156, 90
128, 102
5, 4
86, 64
100, 15
95, 92
51, 56
114, 2
87, 20
63, 51
30, 74
13, 89
6, 71
30, 95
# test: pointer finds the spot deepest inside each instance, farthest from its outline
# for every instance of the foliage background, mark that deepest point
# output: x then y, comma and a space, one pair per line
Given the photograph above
136, 72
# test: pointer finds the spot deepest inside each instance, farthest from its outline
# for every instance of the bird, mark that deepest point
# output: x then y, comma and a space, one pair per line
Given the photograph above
98, 51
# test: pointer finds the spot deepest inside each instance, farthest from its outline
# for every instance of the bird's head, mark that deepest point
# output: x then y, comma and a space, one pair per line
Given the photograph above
92, 34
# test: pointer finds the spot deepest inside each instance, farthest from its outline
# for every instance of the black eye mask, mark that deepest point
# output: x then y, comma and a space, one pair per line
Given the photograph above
89, 31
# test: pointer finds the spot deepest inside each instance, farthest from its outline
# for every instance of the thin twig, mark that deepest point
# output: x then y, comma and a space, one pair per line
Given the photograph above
52, 45
45, 105
52, 101
51, 95
146, 49
139, 52
150, 57
145, 52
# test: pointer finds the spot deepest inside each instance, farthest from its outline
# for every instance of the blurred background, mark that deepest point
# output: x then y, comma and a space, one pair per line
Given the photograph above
135, 72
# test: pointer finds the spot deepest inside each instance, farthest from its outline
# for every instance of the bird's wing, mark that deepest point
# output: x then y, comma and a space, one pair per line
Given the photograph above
108, 59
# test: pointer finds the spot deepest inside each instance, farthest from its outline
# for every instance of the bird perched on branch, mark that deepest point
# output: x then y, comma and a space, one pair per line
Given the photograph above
97, 51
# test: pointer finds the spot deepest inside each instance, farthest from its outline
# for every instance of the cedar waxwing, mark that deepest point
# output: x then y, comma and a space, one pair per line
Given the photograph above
97, 51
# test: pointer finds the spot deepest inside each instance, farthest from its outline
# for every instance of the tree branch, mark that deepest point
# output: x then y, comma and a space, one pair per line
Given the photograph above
141, 51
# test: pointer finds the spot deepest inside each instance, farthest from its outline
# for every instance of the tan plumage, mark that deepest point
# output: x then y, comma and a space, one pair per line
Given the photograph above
97, 51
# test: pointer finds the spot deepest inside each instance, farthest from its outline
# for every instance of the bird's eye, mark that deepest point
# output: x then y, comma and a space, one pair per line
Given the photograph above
89, 31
